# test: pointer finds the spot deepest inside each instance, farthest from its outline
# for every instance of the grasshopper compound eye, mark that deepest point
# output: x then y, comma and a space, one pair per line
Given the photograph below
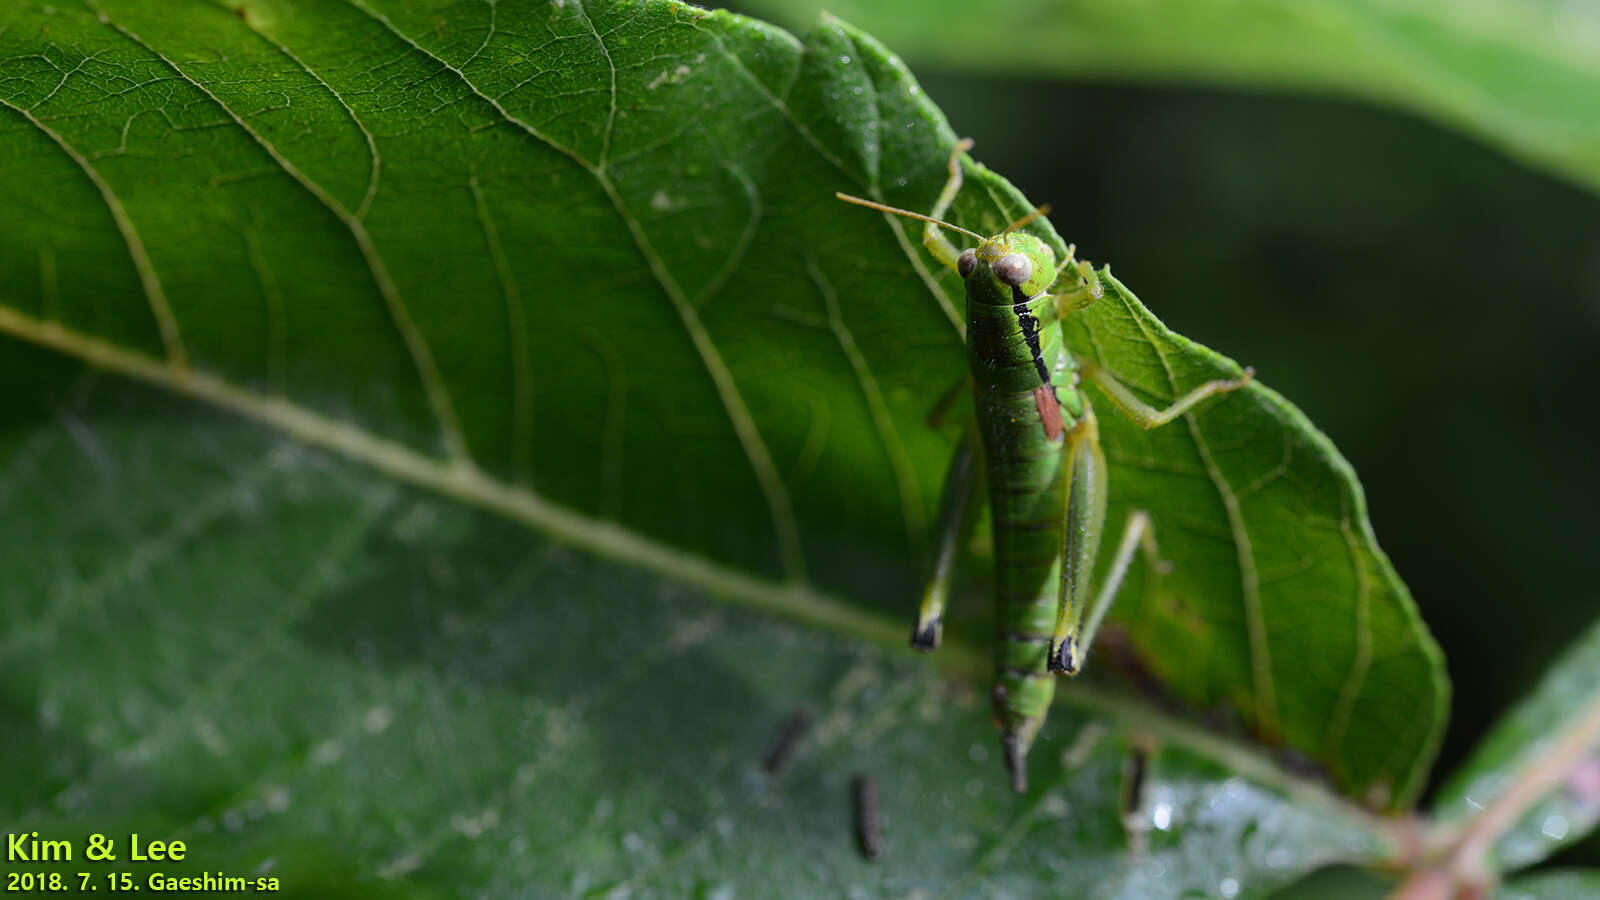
965, 262
1014, 269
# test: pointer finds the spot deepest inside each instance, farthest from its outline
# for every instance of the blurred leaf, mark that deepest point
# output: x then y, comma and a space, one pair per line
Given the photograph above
582, 268
1574, 884
1540, 765
1519, 74
1339, 883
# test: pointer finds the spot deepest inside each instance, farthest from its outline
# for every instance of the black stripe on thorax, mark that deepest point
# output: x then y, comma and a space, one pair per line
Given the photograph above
1030, 331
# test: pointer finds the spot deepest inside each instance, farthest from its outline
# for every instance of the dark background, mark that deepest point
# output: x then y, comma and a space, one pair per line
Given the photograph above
1430, 304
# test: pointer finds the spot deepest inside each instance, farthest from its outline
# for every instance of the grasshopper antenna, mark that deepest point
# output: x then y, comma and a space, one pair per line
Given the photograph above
1043, 210
905, 212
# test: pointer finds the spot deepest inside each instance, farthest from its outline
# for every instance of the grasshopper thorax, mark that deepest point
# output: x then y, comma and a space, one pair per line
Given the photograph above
1000, 264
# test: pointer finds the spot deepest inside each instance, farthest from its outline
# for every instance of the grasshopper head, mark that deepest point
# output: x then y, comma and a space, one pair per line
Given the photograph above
1007, 261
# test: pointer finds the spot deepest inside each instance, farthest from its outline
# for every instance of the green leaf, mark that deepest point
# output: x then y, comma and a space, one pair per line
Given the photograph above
303, 670
1571, 884
581, 267
1533, 785
1520, 76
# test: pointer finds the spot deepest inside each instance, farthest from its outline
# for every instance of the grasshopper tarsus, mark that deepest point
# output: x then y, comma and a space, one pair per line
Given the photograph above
1064, 658
926, 636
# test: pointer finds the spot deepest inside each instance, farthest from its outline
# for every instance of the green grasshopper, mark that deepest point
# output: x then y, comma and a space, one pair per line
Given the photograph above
1047, 473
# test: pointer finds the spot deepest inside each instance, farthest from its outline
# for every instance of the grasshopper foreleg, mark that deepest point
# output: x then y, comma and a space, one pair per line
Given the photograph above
932, 236
1087, 292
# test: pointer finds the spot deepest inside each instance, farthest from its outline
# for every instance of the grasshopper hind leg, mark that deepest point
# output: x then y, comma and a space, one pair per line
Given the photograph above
1138, 534
1079, 615
1083, 516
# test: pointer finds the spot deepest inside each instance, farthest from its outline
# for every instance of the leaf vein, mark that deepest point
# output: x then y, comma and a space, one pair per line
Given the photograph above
213, 688
1339, 722
746, 237
1249, 586
421, 356
611, 68
905, 473
785, 524
517, 333
24, 460
143, 557
155, 294
375, 159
